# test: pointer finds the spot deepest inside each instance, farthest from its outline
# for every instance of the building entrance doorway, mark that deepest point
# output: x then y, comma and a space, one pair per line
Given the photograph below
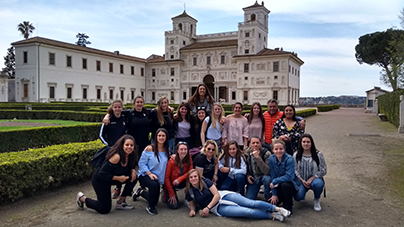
209, 81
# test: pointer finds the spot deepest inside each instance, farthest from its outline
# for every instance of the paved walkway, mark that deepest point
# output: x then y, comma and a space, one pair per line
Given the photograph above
357, 192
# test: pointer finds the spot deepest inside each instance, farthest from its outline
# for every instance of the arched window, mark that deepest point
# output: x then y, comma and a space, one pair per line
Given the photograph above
180, 26
252, 17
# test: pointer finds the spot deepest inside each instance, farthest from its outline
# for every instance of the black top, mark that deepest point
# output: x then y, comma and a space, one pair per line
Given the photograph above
208, 166
108, 170
138, 126
155, 124
116, 128
204, 197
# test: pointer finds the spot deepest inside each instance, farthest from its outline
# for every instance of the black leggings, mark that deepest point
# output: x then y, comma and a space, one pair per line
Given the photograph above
102, 188
153, 194
286, 191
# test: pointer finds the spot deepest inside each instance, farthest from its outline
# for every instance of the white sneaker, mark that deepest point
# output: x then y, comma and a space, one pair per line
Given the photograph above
284, 212
79, 204
317, 206
278, 216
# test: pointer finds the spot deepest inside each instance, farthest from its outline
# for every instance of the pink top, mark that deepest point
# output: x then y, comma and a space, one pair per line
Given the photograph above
235, 129
256, 128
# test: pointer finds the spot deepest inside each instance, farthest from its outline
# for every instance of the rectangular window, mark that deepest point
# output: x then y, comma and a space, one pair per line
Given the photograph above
172, 56
293, 70
111, 67
132, 70
246, 67
222, 59
275, 95
84, 63
142, 93
172, 41
153, 95
98, 93
111, 94
245, 94
25, 90
247, 51
51, 59
122, 94
172, 71
153, 73
233, 95
172, 95
247, 34
69, 92
98, 63
51, 92
195, 61
183, 42
25, 57
132, 95
84, 93
68, 61
370, 103
141, 71
289, 68
121, 68
276, 66
208, 60
184, 95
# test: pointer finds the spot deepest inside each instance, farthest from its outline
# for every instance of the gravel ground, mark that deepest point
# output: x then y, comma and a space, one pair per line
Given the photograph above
359, 192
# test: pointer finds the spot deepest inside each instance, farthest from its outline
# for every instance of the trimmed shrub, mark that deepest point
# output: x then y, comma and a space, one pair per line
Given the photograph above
49, 114
21, 139
389, 105
325, 108
24, 173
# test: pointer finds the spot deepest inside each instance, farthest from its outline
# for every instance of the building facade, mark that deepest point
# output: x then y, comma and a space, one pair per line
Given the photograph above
236, 66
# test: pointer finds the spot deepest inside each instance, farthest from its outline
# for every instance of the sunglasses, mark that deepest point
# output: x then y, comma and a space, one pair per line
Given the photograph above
182, 142
201, 107
210, 149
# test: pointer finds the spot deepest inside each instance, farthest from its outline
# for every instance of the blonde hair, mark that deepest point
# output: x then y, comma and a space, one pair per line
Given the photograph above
208, 142
220, 116
188, 184
110, 110
160, 116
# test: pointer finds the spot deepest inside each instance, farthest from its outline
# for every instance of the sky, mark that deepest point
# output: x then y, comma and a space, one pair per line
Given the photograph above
324, 33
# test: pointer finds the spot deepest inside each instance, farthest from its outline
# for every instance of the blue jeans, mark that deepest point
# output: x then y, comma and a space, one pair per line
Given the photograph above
236, 184
317, 185
247, 208
252, 189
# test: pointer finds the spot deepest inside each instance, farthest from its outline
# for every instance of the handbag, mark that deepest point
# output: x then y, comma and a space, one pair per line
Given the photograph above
99, 157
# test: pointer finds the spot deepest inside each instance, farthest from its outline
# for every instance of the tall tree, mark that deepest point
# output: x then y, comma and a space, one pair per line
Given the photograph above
26, 29
82, 39
386, 50
9, 62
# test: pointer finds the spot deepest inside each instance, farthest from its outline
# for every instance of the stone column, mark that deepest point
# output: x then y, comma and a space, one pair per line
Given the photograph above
401, 126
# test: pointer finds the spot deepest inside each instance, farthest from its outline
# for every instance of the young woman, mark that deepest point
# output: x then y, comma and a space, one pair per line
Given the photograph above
232, 169
176, 174
284, 184
256, 123
201, 97
119, 166
236, 127
310, 168
198, 121
206, 162
152, 170
212, 126
162, 117
184, 125
288, 129
203, 192
116, 127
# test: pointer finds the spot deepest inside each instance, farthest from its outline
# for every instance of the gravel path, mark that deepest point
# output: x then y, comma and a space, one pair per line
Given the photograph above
355, 146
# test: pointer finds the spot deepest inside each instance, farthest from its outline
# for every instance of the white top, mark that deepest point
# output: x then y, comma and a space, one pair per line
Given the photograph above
213, 133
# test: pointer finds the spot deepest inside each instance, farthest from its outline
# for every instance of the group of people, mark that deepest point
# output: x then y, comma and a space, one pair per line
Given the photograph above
236, 156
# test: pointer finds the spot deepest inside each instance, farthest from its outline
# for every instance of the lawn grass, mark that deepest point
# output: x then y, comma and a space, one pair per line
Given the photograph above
56, 122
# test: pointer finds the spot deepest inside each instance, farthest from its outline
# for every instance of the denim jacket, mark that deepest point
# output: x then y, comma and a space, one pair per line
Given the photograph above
283, 171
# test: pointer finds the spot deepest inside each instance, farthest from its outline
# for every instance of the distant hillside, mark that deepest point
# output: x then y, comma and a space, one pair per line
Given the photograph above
342, 100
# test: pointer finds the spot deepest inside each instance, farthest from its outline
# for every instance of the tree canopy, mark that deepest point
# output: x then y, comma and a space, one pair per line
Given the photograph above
9, 62
82, 39
386, 50
26, 29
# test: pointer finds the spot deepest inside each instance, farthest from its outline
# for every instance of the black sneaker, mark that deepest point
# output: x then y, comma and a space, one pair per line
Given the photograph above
151, 210
117, 193
137, 193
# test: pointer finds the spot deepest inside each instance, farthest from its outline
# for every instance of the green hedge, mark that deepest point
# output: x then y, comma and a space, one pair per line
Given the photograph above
25, 173
306, 113
52, 114
325, 108
21, 139
389, 105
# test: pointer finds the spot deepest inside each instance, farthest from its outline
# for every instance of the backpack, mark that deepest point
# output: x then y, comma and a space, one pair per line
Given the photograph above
99, 157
